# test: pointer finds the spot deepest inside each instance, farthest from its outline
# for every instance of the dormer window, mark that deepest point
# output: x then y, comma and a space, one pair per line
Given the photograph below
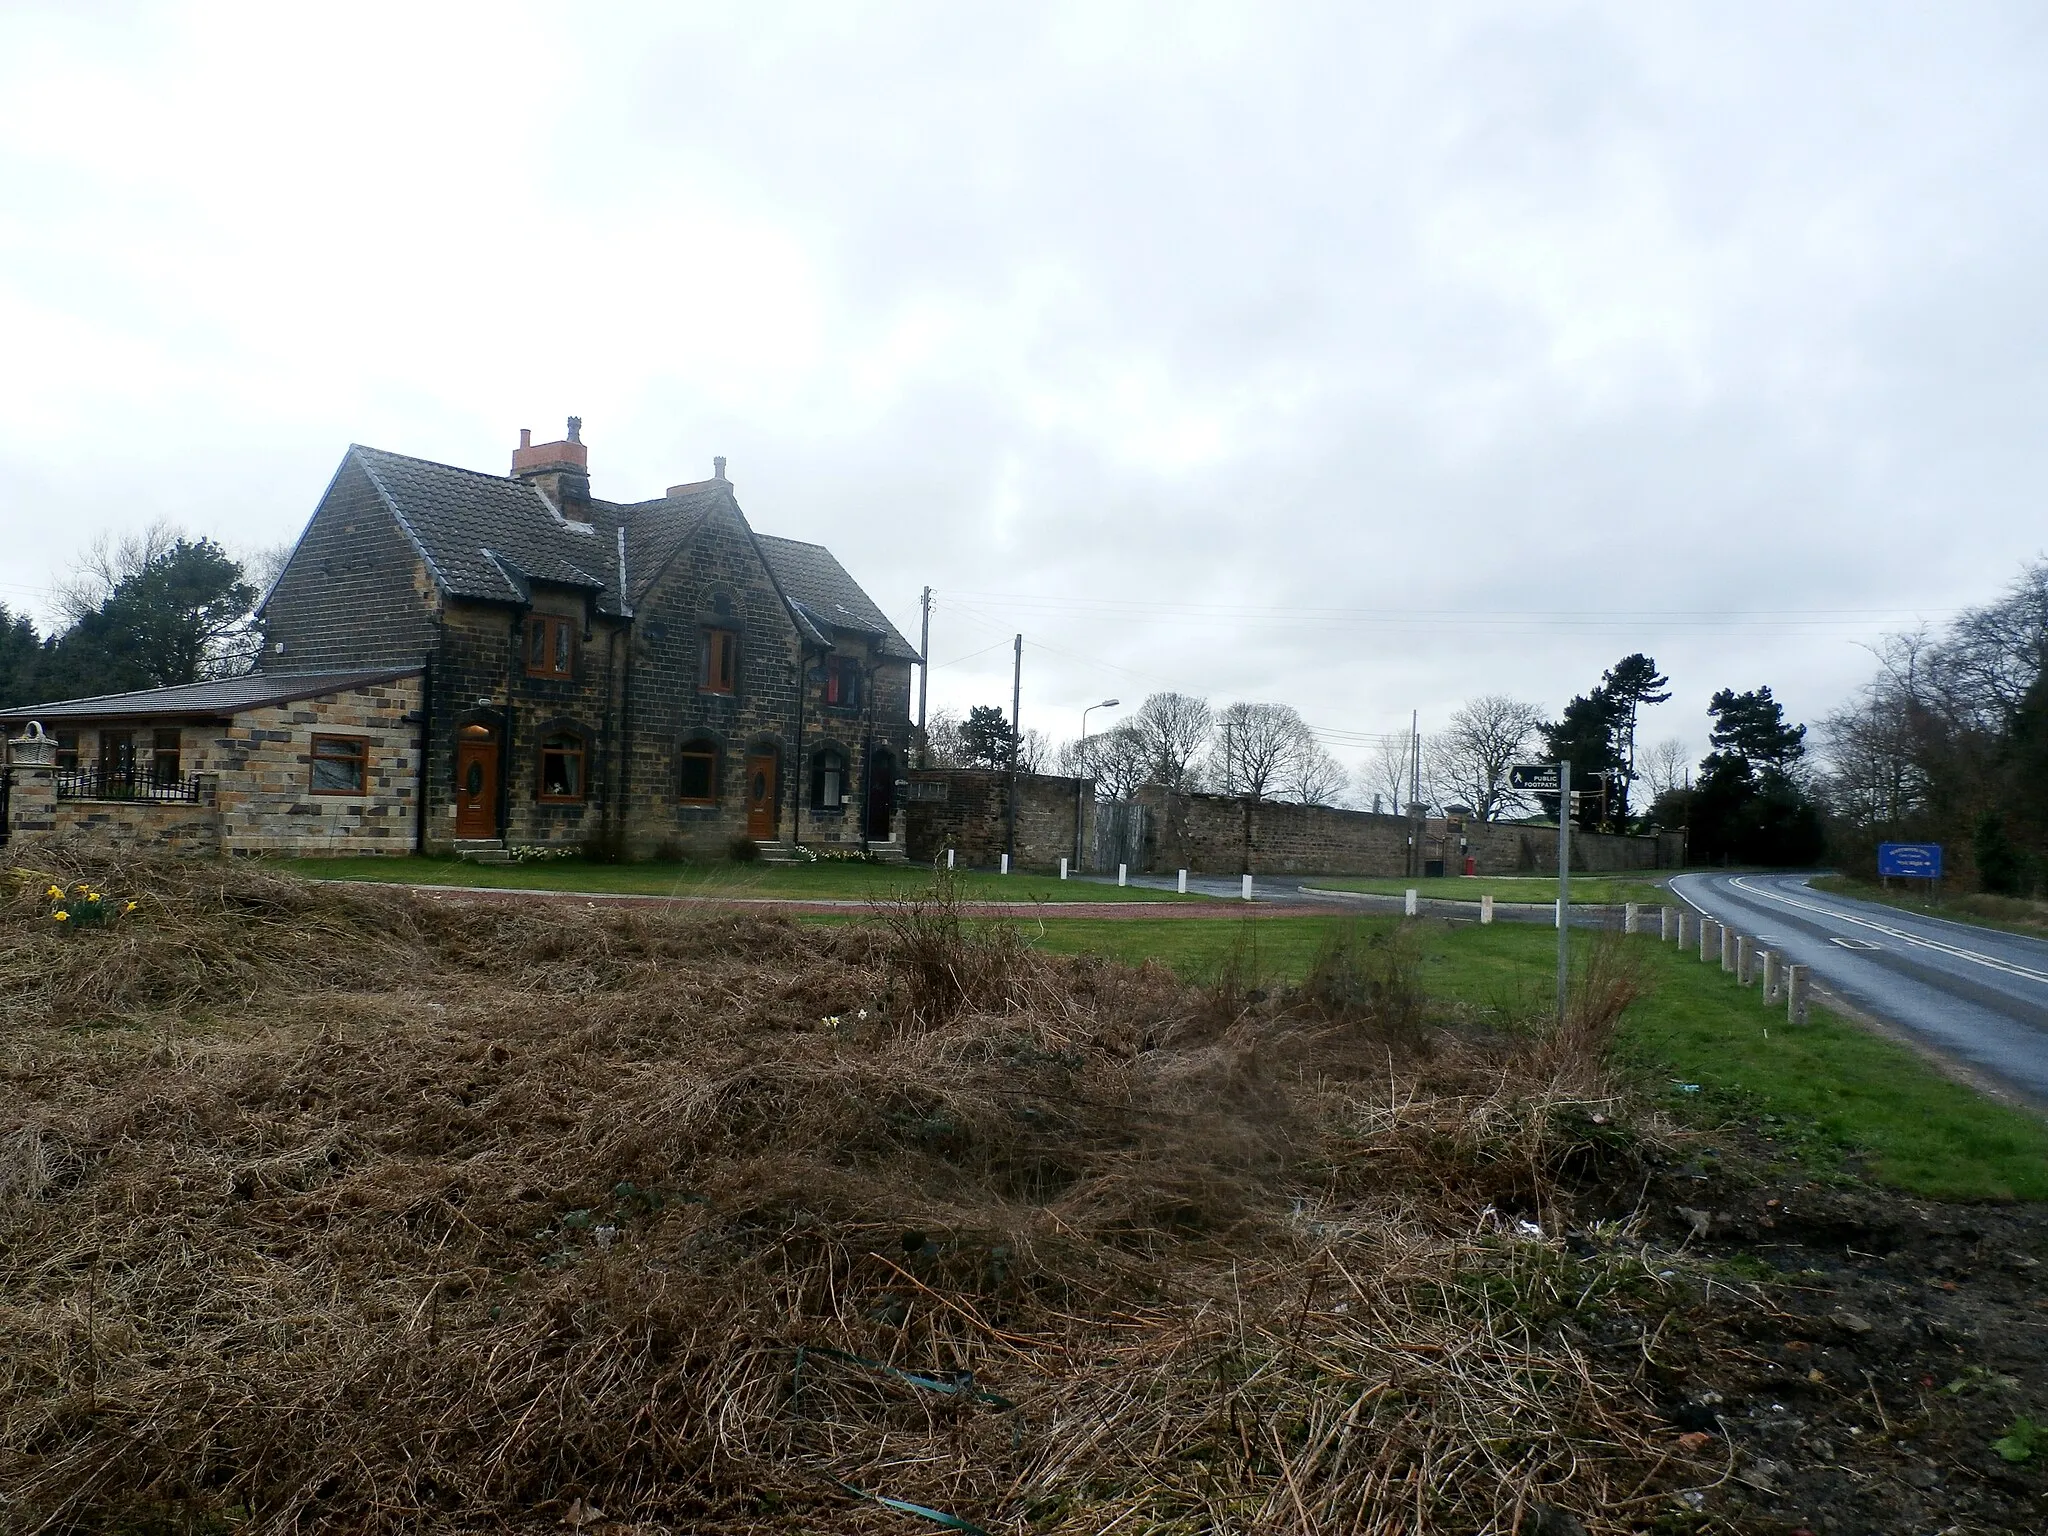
842, 682
550, 646
721, 660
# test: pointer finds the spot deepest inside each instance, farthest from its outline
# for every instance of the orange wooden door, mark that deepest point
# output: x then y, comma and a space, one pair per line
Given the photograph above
761, 797
476, 789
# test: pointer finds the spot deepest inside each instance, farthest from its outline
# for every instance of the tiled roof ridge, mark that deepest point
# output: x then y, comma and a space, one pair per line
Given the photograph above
282, 684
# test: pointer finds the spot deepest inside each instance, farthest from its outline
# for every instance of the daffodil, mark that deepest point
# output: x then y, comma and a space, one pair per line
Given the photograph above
129, 908
60, 917
55, 893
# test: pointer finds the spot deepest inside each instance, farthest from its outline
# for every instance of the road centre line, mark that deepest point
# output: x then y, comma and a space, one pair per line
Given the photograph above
1991, 962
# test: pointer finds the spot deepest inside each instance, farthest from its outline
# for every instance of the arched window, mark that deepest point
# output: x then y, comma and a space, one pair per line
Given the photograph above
562, 756
697, 773
828, 780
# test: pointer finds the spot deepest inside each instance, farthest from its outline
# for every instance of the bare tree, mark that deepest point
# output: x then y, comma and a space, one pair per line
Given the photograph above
1034, 751
1469, 759
1174, 727
1313, 777
1255, 745
108, 562
1667, 766
264, 563
1388, 771
942, 740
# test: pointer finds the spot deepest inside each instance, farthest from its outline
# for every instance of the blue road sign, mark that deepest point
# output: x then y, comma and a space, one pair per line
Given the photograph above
1913, 861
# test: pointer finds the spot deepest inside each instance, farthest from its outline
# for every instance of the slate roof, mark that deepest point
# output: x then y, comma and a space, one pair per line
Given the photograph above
813, 580
216, 700
492, 536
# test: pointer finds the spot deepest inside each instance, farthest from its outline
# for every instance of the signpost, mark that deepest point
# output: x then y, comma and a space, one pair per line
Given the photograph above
1910, 861
1555, 778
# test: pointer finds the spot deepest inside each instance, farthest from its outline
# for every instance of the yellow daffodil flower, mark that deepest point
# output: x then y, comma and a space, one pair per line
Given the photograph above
129, 908
60, 917
54, 892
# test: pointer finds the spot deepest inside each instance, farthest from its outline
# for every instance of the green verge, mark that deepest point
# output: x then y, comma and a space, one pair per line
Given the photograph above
1831, 1085
2013, 914
824, 881
1591, 890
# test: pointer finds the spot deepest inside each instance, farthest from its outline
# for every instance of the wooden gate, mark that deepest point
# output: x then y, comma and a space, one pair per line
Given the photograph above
1118, 836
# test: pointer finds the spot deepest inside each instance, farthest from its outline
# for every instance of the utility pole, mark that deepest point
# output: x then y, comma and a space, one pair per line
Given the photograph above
1016, 741
1416, 809
1564, 885
924, 674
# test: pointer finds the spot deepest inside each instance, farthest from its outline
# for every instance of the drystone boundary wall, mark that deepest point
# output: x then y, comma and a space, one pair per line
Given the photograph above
967, 810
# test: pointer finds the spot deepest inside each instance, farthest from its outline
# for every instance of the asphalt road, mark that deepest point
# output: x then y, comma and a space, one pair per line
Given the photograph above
1976, 994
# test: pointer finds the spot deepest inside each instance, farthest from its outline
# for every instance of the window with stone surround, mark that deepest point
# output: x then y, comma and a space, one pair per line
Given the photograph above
828, 780
550, 646
341, 765
562, 755
842, 682
166, 755
697, 773
67, 749
721, 660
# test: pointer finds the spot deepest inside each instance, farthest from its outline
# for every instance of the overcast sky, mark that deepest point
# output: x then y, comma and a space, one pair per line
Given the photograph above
1359, 358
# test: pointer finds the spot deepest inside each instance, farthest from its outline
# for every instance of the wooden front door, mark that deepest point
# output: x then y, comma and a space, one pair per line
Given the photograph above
476, 787
761, 797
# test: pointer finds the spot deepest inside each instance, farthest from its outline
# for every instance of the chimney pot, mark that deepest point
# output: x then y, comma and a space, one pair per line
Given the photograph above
526, 437
575, 429
718, 467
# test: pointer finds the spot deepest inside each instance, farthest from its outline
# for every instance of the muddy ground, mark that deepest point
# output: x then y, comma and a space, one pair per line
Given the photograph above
1882, 1344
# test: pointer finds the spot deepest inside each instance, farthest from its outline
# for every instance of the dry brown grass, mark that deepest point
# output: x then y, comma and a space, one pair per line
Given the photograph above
332, 1208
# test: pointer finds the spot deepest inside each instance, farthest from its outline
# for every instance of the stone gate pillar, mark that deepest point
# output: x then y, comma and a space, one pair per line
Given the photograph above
32, 786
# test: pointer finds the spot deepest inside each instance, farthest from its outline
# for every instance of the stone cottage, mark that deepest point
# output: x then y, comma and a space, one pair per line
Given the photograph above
652, 677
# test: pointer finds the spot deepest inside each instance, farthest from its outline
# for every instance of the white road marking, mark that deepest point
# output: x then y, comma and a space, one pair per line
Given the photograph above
1990, 962
1854, 943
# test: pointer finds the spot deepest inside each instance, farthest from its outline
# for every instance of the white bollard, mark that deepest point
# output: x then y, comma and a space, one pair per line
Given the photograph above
1247, 887
1182, 885
1631, 918
1745, 957
1557, 913
1796, 983
1063, 869
1486, 908
1123, 874
949, 858
1006, 863
1410, 902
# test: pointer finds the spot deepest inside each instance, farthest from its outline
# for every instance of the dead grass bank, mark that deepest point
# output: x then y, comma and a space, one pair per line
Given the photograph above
335, 1208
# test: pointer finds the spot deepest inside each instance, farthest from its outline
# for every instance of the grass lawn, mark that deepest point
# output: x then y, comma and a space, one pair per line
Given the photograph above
1592, 890
1830, 1082
2014, 914
818, 882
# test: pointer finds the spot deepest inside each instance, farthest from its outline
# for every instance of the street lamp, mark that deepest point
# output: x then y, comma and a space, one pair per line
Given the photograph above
1083, 765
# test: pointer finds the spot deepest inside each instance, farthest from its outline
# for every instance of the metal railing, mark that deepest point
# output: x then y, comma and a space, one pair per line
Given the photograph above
95, 784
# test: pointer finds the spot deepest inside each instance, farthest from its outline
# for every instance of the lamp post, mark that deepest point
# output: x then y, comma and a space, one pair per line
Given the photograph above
1105, 704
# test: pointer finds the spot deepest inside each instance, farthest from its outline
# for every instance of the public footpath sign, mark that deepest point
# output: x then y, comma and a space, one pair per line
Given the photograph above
1910, 861
1535, 776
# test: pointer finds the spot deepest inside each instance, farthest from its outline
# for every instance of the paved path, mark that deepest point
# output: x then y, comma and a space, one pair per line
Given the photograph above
1975, 994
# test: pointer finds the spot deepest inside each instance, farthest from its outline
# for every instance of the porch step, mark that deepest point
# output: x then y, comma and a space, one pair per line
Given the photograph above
890, 852
482, 850
776, 853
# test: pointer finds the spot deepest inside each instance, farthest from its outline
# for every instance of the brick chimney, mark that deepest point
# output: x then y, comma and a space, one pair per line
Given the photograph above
561, 470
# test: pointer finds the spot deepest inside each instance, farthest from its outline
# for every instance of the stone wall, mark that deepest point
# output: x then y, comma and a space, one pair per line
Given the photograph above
1223, 834
967, 810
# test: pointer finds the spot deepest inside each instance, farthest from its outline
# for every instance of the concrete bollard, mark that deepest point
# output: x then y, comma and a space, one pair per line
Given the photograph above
1486, 908
1182, 884
1409, 903
1631, 918
1666, 921
1123, 874
1796, 984
1745, 968
1728, 937
1006, 863
1684, 926
1247, 887
1706, 939
1063, 869
949, 858
1774, 976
